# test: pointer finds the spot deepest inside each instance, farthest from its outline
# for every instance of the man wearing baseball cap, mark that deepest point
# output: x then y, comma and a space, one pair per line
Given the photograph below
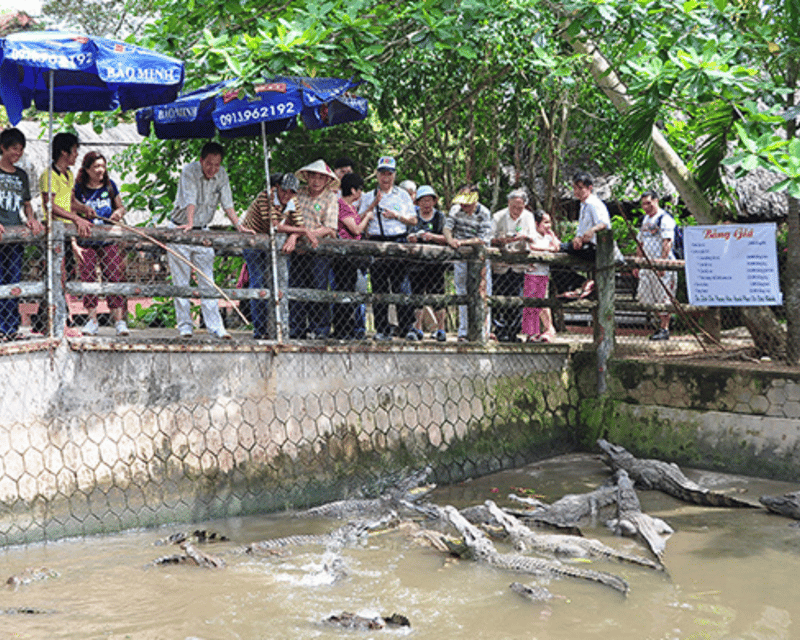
393, 215
272, 212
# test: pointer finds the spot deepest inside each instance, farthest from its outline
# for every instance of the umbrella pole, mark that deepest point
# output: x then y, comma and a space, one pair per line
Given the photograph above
272, 245
51, 320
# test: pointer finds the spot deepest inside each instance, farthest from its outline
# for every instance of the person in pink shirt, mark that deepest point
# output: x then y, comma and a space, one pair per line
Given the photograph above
348, 324
537, 323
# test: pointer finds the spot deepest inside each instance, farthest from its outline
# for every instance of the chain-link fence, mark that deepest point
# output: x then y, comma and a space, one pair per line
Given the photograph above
342, 291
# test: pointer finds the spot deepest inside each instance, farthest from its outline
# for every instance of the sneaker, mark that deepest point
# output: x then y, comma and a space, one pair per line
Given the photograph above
186, 333
122, 328
414, 335
90, 328
439, 335
661, 334
382, 337
221, 334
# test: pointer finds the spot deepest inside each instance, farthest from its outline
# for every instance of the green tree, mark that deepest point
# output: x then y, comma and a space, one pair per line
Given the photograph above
114, 19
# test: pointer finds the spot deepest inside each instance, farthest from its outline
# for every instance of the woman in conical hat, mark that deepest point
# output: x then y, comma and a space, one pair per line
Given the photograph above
318, 205
318, 167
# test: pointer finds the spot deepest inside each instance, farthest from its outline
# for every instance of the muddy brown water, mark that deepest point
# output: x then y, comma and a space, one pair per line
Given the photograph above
730, 574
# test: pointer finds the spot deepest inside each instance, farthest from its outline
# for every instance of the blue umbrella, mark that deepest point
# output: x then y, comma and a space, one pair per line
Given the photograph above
275, 107
70, 72
59, 71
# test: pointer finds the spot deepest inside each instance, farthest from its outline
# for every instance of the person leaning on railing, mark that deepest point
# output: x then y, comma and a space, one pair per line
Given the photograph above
428, 277
58, 198
203, 186
468, 223
537, 323
318, 205
393, 215
512, 229
95, 189
15, 201
272, 210
348, 323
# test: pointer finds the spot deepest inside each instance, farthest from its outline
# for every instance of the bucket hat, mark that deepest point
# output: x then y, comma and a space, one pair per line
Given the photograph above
426, 190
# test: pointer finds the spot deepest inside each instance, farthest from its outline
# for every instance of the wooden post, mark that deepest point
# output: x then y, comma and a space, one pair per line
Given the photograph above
604, 324
477, 309
282, 264
58, 313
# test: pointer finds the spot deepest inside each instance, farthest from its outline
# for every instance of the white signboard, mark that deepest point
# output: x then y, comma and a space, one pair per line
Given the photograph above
732, 265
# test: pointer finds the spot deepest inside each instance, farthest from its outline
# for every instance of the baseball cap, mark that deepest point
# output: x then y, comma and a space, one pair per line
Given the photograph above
387, 162
289, 182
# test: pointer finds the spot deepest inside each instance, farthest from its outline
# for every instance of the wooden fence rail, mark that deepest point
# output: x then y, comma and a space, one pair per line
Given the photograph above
231, 244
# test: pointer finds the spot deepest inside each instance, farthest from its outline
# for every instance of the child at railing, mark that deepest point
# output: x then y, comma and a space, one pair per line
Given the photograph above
15, 209
537, 323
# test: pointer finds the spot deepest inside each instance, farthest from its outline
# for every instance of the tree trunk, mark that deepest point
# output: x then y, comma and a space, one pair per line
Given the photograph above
791, 299
669, 161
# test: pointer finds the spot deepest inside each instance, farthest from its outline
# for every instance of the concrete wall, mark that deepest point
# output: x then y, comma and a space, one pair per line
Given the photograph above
101, 436
734, 419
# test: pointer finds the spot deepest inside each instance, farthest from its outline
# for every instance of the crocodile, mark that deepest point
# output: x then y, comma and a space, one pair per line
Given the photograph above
200, 536
191, 555
349, 620
478, 547
408, 489
566, 512
30, 575
632, 522
666, 477
27, 611
346, 534
559, 544
534, 593
786, 505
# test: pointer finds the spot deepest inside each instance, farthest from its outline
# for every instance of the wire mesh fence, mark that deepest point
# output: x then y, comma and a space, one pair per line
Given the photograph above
342, 291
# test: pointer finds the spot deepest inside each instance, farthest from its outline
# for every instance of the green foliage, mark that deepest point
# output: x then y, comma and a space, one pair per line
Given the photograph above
109, 18
488, 91
161, 313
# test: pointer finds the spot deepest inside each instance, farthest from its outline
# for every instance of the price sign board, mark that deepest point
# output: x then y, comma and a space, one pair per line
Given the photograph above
732, 265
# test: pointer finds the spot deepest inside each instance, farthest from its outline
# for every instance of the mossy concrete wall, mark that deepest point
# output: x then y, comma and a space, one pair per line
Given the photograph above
723, 418
100, 437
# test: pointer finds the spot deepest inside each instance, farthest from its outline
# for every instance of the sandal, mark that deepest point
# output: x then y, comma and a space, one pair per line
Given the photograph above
587, 290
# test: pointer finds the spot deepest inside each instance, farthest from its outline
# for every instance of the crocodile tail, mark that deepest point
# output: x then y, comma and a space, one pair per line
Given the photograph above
608, 579
638, 560
711, 499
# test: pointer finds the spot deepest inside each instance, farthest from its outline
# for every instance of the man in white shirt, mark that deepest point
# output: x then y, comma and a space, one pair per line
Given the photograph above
656, 237
203, 186
394, 214
593, 217
512, 229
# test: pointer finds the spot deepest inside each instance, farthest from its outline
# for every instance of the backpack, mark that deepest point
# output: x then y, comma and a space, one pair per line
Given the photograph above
677, 242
